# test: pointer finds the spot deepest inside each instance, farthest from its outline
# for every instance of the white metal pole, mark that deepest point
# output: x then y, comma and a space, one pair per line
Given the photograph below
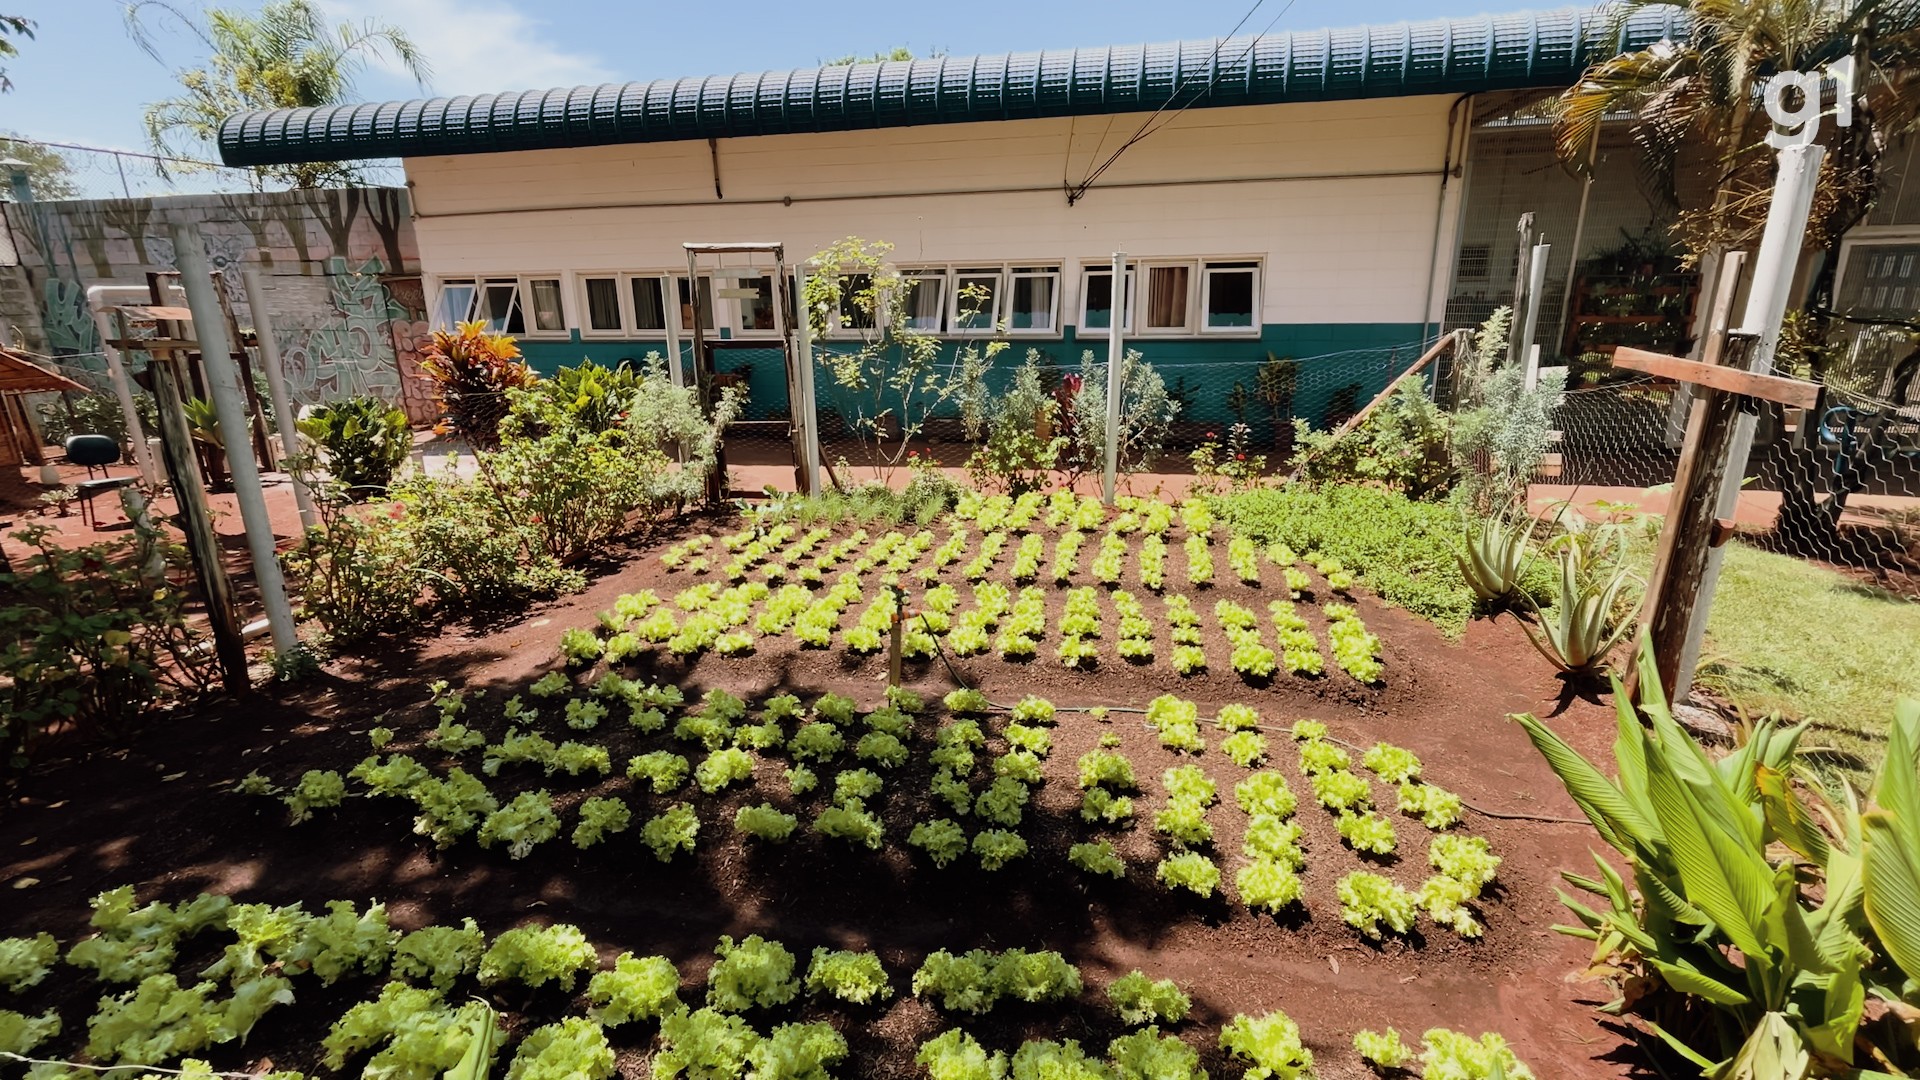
230, 404
803, 370
670, 303
1773, 272
1116, 362
283, 414
123, 390
1536, 284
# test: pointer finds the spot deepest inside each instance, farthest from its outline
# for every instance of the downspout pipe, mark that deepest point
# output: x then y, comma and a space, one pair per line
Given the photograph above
230, 403
100, 299
1447, 165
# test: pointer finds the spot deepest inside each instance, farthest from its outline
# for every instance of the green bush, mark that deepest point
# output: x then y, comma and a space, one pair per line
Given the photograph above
1404, 550
92, 636
362, 441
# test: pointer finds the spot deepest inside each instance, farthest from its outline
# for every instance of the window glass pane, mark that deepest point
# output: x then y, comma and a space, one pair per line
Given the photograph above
1230, 298
1031, 302
648, 312
856, 289
603, 303
1096, 296
500, 308
926, 303
976, 299
756, 312
547, 314
456, 304
1167, 297
686, 304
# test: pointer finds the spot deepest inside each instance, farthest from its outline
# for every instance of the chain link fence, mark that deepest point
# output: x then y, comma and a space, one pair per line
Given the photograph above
61, 171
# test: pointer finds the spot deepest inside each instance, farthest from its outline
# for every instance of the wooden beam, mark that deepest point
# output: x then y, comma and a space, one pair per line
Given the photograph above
1687, 534
1790, 392
196, 520
1446, 342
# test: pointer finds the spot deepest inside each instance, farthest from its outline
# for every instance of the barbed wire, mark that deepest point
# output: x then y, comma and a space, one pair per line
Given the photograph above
61, 171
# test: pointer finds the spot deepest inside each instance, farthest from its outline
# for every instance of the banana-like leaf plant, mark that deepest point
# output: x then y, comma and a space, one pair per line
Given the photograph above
1494, 558
1758, 917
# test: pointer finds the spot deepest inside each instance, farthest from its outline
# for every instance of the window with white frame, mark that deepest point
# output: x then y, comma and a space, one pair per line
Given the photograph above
647, 292
926, 297
753, 296
1033, 300
456, 303
1167, 306
1881, 279
1230, 293
684, 297
604, 316
1096, 300
545, 305
977, 300
853, 316
523, 307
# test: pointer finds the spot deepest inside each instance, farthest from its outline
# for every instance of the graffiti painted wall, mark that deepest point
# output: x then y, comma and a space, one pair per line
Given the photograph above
341, 270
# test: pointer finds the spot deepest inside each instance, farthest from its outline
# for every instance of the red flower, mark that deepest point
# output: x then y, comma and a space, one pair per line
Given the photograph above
536, 519
1239, 457
913, 453
397, 510
1212, 435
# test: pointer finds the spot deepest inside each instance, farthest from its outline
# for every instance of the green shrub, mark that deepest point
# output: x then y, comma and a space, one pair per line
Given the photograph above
1404, 550
362, 441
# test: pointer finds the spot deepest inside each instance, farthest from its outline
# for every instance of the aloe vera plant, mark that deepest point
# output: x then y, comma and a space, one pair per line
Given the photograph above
1494, 558
1577, 633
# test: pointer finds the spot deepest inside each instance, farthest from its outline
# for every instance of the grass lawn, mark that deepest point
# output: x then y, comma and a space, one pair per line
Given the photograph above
1789, 637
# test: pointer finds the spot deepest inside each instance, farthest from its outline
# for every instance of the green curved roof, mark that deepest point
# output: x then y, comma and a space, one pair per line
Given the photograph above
1528, 49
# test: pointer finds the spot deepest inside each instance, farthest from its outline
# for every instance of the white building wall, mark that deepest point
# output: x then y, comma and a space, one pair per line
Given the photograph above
1340, 199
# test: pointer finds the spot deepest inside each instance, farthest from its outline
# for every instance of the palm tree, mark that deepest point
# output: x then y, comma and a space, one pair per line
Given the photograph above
283, 56
1697, 102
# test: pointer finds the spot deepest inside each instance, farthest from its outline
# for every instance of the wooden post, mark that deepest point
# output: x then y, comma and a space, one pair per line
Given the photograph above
196, 521
1522, 276
1723, 389
893, 648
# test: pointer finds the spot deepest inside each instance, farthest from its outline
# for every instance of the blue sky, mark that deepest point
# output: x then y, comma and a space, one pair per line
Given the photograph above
83, 80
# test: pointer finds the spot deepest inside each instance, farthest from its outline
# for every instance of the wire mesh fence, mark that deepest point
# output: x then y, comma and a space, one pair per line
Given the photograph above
61, 171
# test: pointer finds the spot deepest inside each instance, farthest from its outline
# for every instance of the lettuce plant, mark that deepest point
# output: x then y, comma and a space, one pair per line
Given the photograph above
317, 789
1033, 740
1098, 858
800, 779
1189, 870
671, 831
848, 976
818, 741
882, 749
1369, 902
851, 822
959, 983
1100, 768
1035, 976
1148, 1055
752, 972
663, 770
703, 1045
1272, 838
522, 824
998, 847
941, 838
394, 777
574, 1048
156, 1021
796, 1052
584, 715
135, 942
450, 808
343, 940
600, 818
1101, 805
856, 785
1178, 722
1339, 790
1382, 1050
1453, 1055
1270, 1045
25, 961
1189, 782
637, 988
1033, 710
581, 646
1184, 821
1021, 765
1140, 1000
1268, 883
1319, 755
1368, 832
1437, 808
1394, 764
956, 1055
1001, 803
1466, 859
1245, 748
765, 822
537, 955
20, 1033
418, 1035
440, 954
723, 768
966, 701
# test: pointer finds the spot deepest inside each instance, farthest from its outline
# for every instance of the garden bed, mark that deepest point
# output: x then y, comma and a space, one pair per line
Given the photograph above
164, 817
